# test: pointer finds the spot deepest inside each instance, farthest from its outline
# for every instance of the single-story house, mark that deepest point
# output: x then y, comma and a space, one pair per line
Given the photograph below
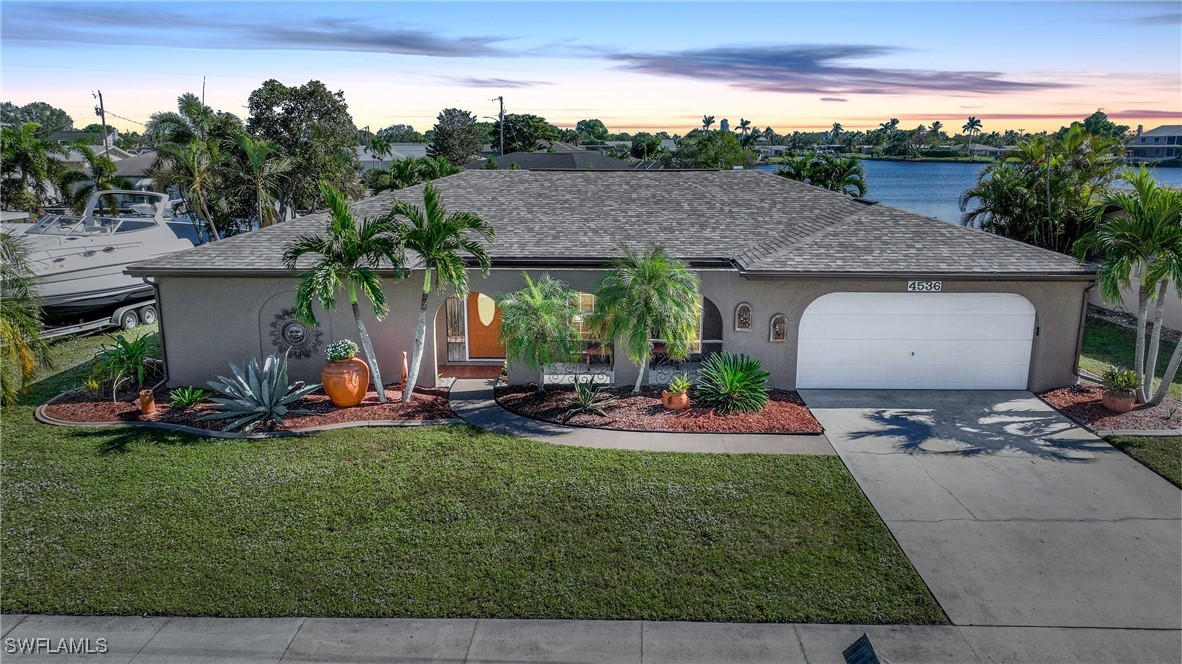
137, 169
825, 290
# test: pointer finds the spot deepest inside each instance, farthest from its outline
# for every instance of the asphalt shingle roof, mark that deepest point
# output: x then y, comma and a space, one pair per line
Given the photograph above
758, 222
557, 160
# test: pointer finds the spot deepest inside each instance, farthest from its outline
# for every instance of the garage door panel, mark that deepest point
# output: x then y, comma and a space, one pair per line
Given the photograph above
916, 340
921, 326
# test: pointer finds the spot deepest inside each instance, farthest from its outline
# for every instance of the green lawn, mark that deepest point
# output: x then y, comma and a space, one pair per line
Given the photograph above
436, 521
1162, 455
1106, 344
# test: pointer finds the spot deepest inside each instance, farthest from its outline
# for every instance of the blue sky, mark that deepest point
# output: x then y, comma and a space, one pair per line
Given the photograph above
791, 65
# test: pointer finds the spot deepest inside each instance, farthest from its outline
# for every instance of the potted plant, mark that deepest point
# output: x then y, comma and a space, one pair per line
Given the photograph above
1120, 389
677, 396
345, 376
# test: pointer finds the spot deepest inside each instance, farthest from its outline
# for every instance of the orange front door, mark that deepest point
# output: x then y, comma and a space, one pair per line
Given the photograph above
484, 328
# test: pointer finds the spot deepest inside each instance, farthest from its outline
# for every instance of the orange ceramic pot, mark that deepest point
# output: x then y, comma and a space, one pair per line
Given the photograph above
1118, 403
345, 381
147, 402
675, 400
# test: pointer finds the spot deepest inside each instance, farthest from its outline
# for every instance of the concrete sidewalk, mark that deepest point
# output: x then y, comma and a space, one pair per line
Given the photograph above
472, 399
346, 640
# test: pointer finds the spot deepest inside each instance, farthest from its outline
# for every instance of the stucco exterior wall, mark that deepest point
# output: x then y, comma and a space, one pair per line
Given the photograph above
208, 322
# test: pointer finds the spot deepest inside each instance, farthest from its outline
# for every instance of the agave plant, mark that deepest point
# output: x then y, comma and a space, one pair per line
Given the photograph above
258, 396
733, 384
588, 398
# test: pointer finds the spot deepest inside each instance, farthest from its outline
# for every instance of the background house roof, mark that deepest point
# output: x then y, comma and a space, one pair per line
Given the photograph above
756, 222
556, 160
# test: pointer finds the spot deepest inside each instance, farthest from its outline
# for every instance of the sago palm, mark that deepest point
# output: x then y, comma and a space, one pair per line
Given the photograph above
646, 296
441, 241
537, 324
22, 350
1144, 235
348, 257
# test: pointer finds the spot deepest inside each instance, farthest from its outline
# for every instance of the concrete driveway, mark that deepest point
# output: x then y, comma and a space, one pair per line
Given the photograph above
1011, 513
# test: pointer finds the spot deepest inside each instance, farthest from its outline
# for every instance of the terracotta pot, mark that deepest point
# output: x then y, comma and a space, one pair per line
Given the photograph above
1118, 402
675, 400
147, 402
345, 381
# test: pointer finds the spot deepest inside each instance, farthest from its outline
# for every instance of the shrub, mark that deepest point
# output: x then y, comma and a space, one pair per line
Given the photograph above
680, 384
124, 361
588, 398
344, 349
184, 398
733, 384
1118, 380
260, 396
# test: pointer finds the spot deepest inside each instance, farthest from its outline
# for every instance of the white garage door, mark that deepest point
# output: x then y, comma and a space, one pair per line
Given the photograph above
916, 341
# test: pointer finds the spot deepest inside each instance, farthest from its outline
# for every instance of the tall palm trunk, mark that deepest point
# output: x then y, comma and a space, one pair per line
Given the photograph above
1155, 340
213, 229
374, 371
1139, 360
1168, 376
639, 377
420, 334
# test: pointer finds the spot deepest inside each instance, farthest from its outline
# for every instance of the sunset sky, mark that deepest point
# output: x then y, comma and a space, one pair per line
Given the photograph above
791, 65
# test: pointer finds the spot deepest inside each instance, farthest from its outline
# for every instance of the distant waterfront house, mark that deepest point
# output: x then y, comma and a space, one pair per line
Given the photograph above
571, 159
136, 169
1159, 144
75, 159
825, 290
979, 150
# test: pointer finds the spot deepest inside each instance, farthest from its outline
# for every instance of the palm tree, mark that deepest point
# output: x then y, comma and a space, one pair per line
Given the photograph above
937, 127
191, 169
434, 168
264, 174
707, 122
971, 127
1145, 236
836, 131
30, 156
192, 119
536, 324
744, 127
796, 168
441, 241
645, 296
77, 186
841, 174
349, 255
22, 350
380, 148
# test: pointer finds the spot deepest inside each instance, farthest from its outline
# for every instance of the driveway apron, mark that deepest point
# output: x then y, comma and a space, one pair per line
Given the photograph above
1011, 513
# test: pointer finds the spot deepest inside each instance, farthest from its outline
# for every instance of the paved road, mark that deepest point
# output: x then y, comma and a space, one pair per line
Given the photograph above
1011, 513
287, 640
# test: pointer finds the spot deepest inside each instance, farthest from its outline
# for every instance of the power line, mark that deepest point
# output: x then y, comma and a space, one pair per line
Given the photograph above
127, 119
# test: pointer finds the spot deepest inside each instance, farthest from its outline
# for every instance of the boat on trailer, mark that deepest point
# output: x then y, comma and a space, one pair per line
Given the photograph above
78, 260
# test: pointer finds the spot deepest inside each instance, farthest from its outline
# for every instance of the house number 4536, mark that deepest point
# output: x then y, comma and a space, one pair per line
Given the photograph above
925, 286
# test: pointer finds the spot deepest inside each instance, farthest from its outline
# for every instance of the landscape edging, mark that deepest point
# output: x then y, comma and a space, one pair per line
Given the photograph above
41, 416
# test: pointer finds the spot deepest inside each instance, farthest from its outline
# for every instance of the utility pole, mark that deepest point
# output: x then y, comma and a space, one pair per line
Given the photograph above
102, 113
501, 117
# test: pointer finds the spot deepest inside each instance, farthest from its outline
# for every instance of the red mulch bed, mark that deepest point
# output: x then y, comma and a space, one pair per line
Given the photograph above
786, 413
1083, 404
426, 404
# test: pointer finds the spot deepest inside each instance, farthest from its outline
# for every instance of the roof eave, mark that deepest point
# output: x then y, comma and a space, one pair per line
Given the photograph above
1049, 275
